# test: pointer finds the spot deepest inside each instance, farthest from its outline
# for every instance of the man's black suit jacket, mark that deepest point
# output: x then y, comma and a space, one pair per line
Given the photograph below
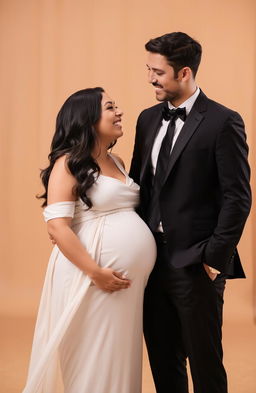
206, 197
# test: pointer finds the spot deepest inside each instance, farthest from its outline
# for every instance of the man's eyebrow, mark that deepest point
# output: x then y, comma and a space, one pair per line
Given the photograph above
109, 102
154, 69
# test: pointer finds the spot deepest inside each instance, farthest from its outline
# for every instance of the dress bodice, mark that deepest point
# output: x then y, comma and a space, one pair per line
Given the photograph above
107, 194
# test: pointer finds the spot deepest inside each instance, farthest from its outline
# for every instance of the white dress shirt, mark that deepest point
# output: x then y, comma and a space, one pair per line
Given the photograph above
178, 127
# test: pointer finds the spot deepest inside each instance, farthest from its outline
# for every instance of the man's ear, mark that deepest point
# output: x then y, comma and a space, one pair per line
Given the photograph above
185, 74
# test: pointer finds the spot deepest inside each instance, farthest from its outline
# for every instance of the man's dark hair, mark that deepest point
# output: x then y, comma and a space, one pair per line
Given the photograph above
179, 49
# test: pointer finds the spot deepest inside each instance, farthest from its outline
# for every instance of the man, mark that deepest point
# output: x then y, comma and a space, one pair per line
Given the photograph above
191, 164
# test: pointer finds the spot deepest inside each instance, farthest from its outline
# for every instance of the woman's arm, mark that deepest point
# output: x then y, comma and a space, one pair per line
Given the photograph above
60, 188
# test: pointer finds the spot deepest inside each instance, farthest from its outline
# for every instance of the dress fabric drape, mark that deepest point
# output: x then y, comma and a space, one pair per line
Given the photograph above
91, 338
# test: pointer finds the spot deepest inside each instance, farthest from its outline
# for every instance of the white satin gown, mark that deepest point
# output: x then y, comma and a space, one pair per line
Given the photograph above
89, 339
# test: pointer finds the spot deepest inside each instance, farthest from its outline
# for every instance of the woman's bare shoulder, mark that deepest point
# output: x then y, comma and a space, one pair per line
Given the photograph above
61, 182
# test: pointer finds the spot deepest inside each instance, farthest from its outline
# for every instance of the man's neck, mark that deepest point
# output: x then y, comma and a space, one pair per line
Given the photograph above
184, 97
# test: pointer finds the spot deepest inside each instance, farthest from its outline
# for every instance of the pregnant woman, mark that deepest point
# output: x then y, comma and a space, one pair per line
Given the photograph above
88, 334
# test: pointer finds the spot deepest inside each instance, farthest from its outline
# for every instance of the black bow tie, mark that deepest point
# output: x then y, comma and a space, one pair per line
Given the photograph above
173, 114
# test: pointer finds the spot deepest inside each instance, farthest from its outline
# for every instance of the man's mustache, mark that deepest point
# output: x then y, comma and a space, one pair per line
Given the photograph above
156, 84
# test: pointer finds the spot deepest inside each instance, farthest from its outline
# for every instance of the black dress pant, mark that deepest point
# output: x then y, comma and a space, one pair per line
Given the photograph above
183, 319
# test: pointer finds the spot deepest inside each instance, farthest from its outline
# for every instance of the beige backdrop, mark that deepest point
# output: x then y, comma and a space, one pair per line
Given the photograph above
51, 48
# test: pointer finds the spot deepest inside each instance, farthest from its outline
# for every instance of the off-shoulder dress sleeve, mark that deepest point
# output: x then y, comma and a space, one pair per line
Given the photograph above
59, 209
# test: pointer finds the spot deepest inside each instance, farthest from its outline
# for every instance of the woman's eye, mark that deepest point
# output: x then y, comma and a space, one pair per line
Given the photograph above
110, 107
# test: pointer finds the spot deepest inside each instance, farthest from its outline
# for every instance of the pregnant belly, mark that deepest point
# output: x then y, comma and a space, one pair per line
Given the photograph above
128, 246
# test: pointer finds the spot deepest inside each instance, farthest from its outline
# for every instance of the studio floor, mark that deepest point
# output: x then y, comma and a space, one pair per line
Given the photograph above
239, 343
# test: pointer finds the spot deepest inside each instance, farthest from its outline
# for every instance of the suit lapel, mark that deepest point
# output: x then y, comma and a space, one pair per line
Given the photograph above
151, 134
192, 123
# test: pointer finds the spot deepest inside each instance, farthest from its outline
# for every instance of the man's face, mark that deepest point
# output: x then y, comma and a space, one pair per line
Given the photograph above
161, 76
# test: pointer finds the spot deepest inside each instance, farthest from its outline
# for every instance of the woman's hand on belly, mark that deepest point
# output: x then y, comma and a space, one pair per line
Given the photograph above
109, 280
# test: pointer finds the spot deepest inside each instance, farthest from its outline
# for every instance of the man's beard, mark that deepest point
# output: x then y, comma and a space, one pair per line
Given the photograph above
165, 96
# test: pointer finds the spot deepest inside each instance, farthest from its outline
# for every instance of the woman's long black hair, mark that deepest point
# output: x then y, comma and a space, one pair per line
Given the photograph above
75, 137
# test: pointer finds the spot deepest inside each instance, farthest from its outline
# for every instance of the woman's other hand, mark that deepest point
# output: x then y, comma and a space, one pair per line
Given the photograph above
109, 280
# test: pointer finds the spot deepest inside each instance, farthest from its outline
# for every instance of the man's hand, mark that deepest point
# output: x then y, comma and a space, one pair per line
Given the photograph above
209, 272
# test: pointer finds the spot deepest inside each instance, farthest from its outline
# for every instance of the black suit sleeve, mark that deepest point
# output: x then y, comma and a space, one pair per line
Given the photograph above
234, 176
136, 157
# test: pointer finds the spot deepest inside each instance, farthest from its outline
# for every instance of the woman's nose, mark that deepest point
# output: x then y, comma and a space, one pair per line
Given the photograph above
119, 112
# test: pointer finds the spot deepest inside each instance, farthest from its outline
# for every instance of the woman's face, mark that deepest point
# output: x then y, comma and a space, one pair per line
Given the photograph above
109, 126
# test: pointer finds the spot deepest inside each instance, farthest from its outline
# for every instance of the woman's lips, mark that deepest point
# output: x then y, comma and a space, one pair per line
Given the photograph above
118, 123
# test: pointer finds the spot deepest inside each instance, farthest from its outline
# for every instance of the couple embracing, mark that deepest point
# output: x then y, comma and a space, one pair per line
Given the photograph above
146, 251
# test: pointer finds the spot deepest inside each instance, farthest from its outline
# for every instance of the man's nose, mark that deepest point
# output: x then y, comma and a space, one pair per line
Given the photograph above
151, 77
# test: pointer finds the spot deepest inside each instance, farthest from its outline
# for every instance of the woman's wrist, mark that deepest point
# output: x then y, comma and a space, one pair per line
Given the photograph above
94, 272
